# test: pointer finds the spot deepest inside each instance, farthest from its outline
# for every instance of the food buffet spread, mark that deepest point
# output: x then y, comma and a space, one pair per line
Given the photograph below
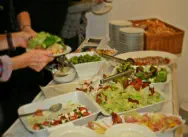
103, 93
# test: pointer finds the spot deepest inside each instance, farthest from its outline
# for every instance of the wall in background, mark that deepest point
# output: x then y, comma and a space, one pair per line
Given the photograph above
172, 11
175, 12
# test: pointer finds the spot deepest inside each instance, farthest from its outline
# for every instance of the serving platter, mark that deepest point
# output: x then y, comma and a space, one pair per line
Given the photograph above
75, 97
141, 54
107, 122
148, 108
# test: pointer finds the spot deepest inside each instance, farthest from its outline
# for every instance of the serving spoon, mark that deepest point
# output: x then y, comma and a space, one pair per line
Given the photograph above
53, 108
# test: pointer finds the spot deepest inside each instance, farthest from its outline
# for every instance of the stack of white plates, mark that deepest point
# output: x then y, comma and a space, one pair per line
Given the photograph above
114, 27
130, 39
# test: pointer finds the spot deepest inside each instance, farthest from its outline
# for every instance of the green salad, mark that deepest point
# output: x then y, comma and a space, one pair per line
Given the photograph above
150, 73
85, 58
45, 40
115, 98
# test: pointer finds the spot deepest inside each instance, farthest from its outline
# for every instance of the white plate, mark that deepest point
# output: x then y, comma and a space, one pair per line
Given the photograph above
140, 54
102, 8
75, 97
122, 23
129, 130
73, 132
68, 50
132, 30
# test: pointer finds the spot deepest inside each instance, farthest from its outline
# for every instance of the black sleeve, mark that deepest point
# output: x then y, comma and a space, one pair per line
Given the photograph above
20, 6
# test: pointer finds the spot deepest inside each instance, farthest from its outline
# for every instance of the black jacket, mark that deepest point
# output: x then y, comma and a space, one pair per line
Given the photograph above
46, 15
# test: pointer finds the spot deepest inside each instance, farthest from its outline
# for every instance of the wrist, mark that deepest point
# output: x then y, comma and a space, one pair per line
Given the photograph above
10, 41
20, 62
25, 27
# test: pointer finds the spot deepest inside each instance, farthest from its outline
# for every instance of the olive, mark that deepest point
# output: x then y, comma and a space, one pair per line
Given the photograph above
131, 60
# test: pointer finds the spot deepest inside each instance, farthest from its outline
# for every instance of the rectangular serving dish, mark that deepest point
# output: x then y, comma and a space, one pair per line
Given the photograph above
107, 122
149, 108
59, 89
75, 97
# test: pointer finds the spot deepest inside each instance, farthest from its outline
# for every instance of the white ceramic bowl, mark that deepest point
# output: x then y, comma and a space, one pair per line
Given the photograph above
67, 78
86, 69
129, 130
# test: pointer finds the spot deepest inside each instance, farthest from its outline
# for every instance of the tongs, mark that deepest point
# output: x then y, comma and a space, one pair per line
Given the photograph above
126, 73
115, 59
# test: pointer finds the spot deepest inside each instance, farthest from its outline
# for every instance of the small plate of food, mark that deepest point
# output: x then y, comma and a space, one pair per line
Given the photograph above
44, 40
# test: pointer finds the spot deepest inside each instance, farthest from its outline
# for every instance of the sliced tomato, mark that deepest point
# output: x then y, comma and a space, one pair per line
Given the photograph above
36, 126
56, 122
46, 123
73, 118
38, 113
137, 83
82, 108
86, 114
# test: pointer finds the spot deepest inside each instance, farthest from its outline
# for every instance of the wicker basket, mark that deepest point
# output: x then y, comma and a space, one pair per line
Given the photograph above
170, 43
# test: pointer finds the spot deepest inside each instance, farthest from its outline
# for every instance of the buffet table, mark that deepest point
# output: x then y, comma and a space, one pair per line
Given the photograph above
171, 106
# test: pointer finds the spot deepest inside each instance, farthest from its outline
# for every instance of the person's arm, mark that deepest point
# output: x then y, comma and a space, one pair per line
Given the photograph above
19, 39
24, 22
5, 68
35, 59
23, 17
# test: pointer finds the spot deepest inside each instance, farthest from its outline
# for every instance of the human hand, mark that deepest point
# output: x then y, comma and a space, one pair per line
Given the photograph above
35, 59
20, 39
40, 58
29, 30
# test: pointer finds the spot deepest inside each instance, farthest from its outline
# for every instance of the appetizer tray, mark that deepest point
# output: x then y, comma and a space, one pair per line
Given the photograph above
151, 120
74, 97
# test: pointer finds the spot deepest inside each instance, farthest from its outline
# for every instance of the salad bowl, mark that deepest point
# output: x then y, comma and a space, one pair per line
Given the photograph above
160, 83
86, 69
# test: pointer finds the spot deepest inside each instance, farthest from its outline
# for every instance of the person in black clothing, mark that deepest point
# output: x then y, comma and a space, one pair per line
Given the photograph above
23, 85
41, 15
